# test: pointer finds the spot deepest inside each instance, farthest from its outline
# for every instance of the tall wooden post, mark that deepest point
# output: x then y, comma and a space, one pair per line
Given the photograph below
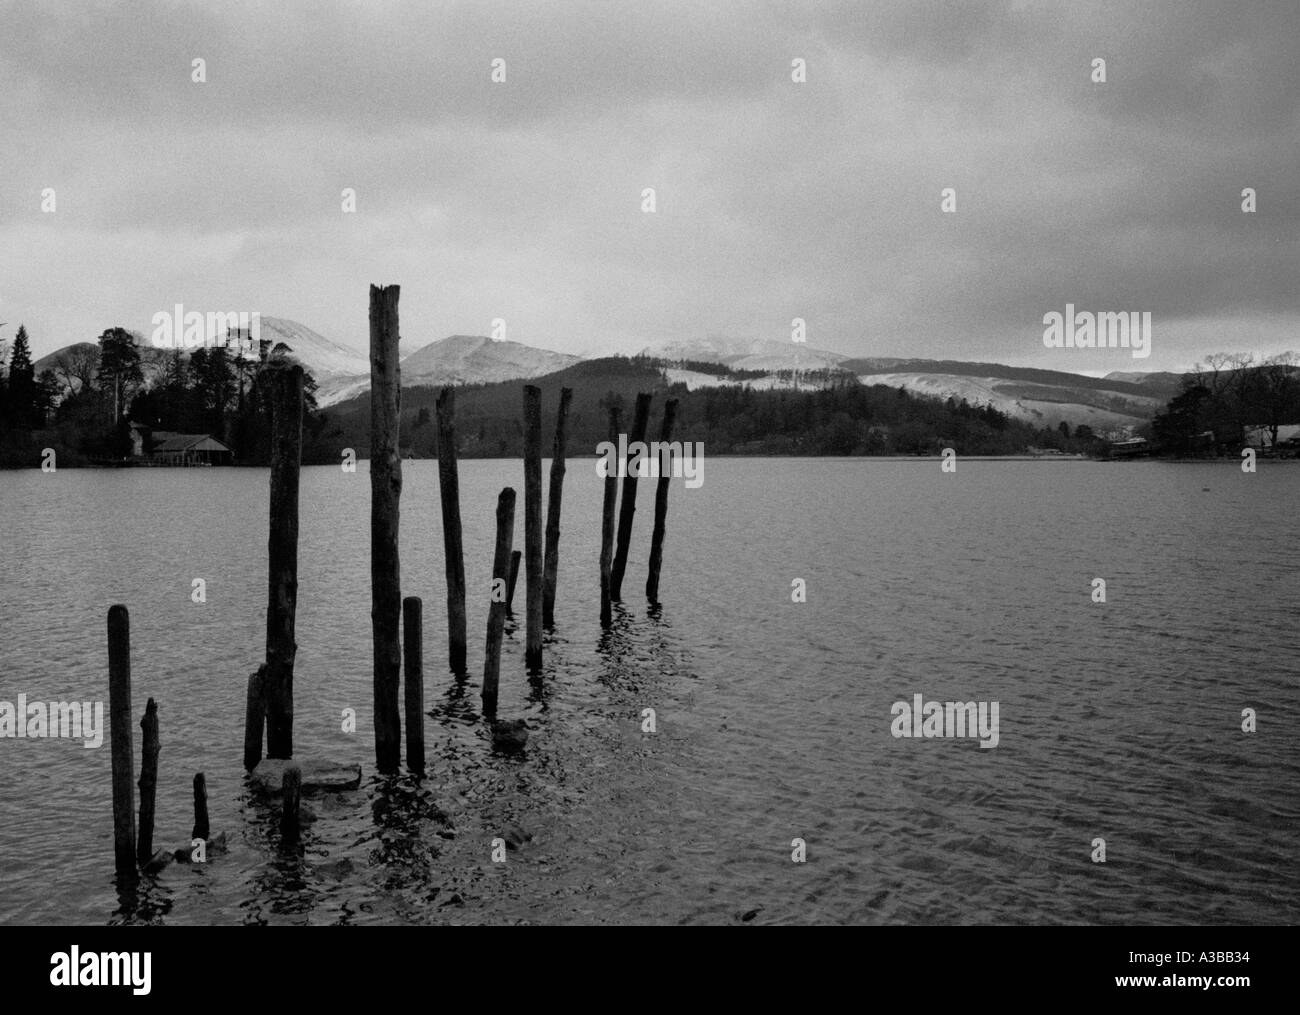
453, 554
628, 507
497, 610
119, 732
533, 525
148, 780
661, 504
413, 676
282, 554
254, 719
607, 519
515, 557
552, 562
385, 497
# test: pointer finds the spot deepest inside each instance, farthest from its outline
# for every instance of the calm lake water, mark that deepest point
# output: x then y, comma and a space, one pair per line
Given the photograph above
1120, 721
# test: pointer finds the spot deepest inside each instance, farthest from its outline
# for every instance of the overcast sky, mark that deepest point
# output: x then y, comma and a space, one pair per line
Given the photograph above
522, 200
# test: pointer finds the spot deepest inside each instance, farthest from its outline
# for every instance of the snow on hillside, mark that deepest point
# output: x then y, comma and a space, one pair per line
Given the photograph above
1008, 398
747, 354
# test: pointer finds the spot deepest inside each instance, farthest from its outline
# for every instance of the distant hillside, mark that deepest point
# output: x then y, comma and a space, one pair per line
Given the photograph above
841, 418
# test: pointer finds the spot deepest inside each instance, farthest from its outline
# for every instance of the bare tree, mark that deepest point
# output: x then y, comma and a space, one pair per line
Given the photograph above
77, 366
1274, 393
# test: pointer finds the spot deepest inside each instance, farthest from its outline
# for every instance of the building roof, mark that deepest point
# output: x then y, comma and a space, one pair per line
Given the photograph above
190, 442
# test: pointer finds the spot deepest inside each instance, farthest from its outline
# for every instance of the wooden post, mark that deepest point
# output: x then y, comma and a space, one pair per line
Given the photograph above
515, 558
607, 520
661, 505
453, 553
201, 826
385, 497
497, 610
148, 780
552, 561
290, 797
628, 507
119, 732
533, 526
254, 719
282, 554
413, 674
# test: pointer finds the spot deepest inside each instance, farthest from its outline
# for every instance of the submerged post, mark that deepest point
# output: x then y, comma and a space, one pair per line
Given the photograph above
628, 507
661, 503
515, 557
290, 798
453, 554
201, 826
497, 610
552, 561
148, 780
282, 554
254, 719
607, 519
119, 732
413, 666
385, 496
533, 526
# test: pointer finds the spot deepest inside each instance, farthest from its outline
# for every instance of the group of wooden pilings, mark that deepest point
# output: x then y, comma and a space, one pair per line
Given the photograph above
613, 559
396, 622
132, 851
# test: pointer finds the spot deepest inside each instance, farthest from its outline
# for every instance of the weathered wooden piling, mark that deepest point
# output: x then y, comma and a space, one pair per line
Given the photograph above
627, 508
661, 505
202, 828
385, 496
515, 557
551, 565
148, 780
290, 799
282, 555
607, 520
120, 738
502, 560
453, 553
533, 526
254, 719
413, 676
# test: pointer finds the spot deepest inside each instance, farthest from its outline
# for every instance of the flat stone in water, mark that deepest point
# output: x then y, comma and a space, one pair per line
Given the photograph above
268, 776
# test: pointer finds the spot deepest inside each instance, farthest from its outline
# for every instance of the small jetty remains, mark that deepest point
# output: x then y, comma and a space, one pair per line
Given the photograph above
396, 621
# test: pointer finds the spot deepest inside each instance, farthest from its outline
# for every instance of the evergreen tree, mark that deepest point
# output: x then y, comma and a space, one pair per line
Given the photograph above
22, 383
119, 365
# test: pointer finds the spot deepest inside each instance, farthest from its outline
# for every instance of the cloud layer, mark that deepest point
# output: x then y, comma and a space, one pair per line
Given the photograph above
522, 200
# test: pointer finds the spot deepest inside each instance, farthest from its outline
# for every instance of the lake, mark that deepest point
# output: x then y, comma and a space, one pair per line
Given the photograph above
1119, 720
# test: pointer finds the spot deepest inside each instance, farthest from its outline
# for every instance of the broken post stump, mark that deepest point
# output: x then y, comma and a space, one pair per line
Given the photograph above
254, 719
661, 504
413, 675
290, 799
608, 509
385, 497
201, 826
628, 507
453, 553
282, 556
119, 732
533, 526
551, 564
501, 560
148, 780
